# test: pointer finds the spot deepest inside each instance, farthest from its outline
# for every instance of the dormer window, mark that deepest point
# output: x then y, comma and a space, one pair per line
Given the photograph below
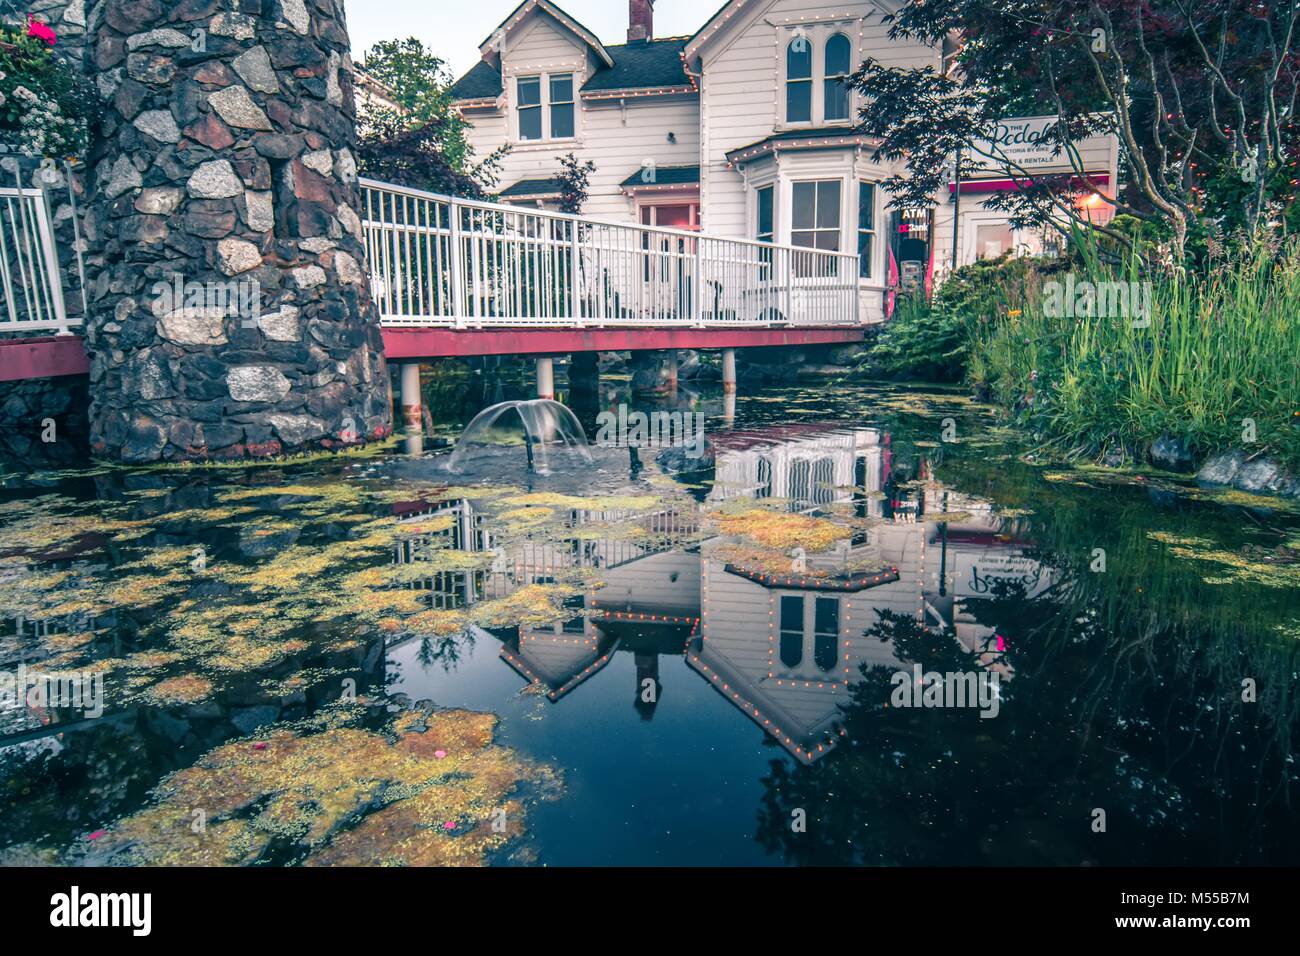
562, 106
530, 107
839, 55
798, 81
552, 117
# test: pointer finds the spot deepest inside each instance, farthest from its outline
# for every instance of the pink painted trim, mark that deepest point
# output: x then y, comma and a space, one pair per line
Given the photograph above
404, 344
1011, 185
46, 357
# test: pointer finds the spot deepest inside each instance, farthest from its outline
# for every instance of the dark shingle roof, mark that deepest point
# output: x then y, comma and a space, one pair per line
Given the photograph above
666, 176
483, 82
527, 188
652, 64
645, 64
840, 135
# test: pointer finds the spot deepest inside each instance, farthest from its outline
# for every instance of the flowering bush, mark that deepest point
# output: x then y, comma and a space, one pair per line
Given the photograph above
46, 105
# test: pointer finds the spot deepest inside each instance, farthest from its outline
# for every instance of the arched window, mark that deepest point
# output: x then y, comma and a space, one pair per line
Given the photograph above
826, 631
839, 55
798, 81
791, 631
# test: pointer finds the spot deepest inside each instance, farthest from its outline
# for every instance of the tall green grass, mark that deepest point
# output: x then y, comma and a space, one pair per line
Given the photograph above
1223, 348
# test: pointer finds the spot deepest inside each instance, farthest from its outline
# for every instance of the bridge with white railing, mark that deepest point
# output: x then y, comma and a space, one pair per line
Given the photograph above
457, 277
455, 263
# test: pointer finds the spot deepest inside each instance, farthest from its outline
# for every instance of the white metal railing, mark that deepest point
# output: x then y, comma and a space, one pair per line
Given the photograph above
31, 284
440, 261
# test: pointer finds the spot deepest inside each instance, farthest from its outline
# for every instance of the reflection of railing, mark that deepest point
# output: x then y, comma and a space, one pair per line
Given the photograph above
537, 561
439, 261
30, 282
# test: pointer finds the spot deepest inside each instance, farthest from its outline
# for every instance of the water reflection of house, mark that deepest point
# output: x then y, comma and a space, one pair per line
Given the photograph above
784, 648
807, 465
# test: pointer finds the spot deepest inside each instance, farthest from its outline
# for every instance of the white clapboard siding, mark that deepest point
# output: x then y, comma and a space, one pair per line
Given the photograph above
649, 584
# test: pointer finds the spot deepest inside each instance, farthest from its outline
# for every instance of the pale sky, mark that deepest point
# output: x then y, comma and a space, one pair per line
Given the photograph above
453, 29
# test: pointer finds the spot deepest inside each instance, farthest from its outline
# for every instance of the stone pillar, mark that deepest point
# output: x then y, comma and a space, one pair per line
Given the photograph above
230, 305
729, 371
546, 378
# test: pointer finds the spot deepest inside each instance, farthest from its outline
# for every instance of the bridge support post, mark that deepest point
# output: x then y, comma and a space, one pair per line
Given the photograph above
546, 378
412, 403
729, 371
412, 408
672, 370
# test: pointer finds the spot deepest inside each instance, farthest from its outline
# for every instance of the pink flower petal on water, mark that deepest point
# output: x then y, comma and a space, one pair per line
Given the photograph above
449, 825
259, 746
1002, 644
96, 835
440, 754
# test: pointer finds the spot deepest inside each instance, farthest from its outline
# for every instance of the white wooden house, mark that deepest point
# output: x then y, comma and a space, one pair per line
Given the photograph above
743, 129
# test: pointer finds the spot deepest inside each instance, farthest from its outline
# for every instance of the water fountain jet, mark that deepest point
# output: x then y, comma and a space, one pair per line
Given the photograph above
546, 424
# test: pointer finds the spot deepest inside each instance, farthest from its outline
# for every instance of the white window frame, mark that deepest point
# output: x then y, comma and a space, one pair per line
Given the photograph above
818, 36
807, 668
543, 79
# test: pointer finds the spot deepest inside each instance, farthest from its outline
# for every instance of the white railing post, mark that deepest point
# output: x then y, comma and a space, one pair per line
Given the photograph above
457, 262
697, 285
575, 276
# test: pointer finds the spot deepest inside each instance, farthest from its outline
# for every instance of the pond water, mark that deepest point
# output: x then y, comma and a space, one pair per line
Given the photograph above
651, 657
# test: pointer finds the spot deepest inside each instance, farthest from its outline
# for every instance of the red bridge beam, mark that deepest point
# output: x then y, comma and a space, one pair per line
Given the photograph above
409, 344
53, 356
46, 357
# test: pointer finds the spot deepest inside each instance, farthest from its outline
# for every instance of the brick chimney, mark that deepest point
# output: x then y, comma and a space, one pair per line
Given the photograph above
640, 20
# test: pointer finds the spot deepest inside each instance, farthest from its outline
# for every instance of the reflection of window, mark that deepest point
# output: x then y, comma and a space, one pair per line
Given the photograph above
866, 227
816, 215
562, 106
823, 482
791, 631
530, 107
826, 633
800, 482
764, 489
838, 55
798, 81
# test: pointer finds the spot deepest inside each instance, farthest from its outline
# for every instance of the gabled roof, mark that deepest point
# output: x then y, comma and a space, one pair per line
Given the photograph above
643, 65
734, 8
487, 47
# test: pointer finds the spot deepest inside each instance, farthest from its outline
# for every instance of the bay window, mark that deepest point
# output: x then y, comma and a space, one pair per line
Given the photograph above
866, 228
